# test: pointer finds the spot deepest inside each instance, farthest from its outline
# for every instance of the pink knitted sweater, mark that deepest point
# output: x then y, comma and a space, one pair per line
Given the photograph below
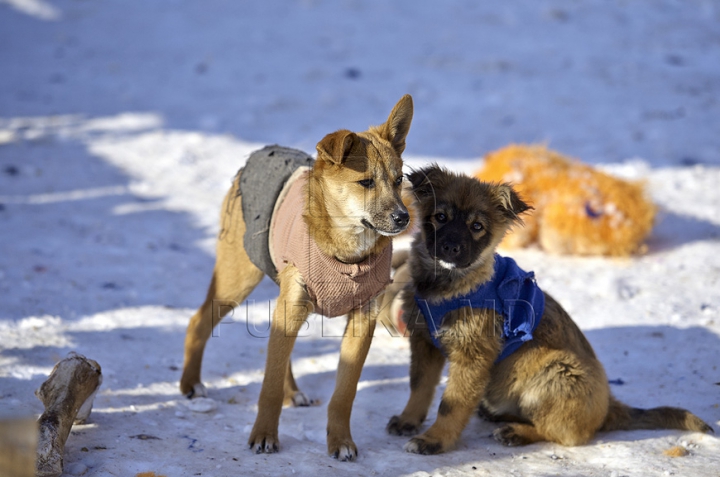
335, 287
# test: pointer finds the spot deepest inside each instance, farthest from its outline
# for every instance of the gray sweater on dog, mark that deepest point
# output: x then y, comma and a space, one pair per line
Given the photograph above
261, 181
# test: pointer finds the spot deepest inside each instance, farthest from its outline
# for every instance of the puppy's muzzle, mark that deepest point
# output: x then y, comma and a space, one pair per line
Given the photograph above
451, 251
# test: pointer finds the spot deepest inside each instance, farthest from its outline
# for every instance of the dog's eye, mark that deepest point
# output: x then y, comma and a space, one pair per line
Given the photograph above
367, 183
440, 217
398, 181
477, 226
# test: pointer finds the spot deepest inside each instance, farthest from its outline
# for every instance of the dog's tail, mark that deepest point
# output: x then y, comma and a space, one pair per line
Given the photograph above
623, 417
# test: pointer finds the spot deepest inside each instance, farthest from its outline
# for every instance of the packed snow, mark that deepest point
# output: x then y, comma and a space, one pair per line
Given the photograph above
122, 124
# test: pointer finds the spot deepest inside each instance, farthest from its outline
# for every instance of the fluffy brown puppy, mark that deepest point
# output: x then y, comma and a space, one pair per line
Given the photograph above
322, 230
513, 351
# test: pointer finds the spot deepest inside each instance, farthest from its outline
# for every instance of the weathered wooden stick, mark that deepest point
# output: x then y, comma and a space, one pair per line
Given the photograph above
70, 388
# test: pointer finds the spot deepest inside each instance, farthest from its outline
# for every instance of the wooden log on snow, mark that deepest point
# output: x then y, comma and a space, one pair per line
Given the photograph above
68, 397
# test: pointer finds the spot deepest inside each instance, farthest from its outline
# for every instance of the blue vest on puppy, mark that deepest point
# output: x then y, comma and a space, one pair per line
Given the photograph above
511, 292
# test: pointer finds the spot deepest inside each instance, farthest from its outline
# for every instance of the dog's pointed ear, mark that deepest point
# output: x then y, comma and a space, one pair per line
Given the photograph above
335, 147
425, 180
397, 126
511, 204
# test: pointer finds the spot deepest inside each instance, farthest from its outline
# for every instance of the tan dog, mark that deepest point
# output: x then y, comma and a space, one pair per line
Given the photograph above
350, 206
550, 385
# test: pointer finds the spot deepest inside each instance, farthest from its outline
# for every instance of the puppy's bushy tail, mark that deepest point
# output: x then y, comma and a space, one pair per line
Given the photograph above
622, 417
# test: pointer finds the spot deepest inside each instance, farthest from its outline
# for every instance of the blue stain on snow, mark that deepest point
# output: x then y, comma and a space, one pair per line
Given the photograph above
192, 444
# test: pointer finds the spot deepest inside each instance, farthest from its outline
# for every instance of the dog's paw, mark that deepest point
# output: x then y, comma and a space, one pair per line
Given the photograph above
263, 444
299, 399
197, 391
398, 427
344, 450
201, 405
507, 436
423, 445
485, 414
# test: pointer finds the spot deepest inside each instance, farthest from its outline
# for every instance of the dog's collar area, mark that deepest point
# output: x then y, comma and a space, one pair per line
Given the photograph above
511, 292
352, 262
334, 287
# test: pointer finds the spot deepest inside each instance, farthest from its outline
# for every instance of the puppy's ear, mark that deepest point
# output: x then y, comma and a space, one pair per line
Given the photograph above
397, 126
425, 180
510, 203
335, 147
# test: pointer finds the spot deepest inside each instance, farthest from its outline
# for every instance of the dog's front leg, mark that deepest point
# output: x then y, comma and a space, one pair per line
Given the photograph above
466, 382
292, 309
353, 351
472, 347
426, 365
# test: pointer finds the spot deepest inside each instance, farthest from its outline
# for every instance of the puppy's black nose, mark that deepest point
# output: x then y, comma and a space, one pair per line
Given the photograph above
401, 218
451, 249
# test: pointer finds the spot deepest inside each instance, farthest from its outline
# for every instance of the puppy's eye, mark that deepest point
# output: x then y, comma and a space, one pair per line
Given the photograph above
477, 226
398, 181
367, 183
440, 217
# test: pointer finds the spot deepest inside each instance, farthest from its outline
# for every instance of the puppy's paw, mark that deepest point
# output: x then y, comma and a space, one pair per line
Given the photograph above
424, 445
342, 449
508, 436
263, 444
485, 414
397, 426
197, 391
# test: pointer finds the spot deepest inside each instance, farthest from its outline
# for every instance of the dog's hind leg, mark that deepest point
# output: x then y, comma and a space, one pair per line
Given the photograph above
486, 414
293, 395
566, 401
222, 297
293, 308
234, 277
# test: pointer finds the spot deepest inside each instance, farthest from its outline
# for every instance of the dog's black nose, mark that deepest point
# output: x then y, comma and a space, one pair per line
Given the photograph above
451, 249
401, 218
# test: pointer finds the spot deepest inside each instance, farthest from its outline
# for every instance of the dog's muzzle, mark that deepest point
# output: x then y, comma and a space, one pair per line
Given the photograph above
401, 218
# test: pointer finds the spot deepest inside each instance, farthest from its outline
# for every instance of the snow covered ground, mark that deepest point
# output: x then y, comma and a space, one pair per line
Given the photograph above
122, 123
